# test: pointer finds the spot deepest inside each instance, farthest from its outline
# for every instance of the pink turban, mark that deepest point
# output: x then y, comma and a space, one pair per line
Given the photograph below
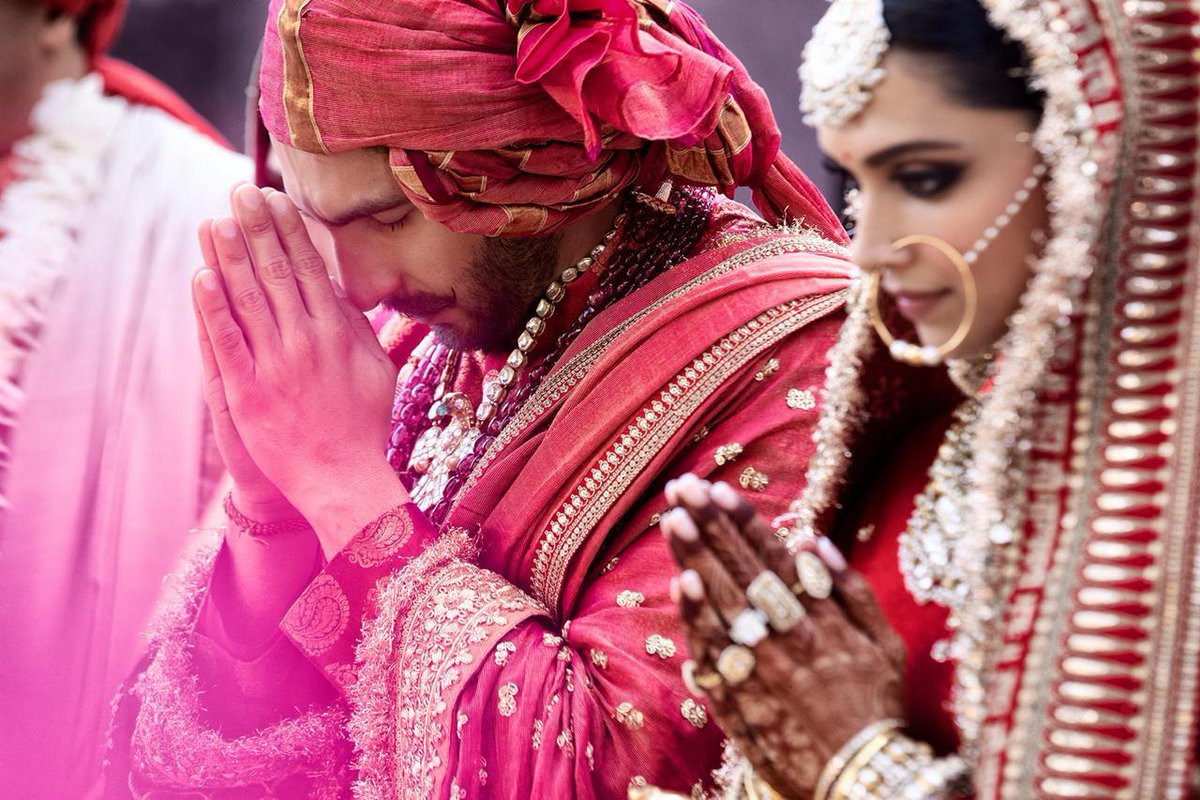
515, 117
103, 18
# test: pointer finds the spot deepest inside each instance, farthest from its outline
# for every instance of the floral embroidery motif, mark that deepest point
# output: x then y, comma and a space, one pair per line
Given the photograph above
381, 540
503, 651
753, 480
462, 721
600, 659
609, 567
629, 716
728, 453
802, 399
564, 741
318, 619
694, 713
701, 434
769, 369
590, 752
344, 675
659, 645
551, 640
630, 599
507, 699
537, 735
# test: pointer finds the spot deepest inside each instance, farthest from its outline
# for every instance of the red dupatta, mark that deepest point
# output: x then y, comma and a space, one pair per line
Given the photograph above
607, 420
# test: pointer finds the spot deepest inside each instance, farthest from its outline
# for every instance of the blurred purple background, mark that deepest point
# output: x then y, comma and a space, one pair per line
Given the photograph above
204, 49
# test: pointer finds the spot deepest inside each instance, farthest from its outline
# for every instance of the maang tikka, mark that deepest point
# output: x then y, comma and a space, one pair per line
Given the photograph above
841, 65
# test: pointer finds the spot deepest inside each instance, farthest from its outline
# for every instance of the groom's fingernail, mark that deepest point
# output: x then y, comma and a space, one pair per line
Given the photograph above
208, 280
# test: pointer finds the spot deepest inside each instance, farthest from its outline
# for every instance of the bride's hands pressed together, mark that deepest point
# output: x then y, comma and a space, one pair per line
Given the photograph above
817, 661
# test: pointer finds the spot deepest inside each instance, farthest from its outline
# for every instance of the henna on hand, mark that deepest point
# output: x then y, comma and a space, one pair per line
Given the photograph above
814, 687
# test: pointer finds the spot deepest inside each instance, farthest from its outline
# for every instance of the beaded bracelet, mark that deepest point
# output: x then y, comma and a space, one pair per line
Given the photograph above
261, 530
899, 767
849, 750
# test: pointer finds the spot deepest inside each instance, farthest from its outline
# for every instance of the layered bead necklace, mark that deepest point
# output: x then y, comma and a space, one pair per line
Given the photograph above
439, 434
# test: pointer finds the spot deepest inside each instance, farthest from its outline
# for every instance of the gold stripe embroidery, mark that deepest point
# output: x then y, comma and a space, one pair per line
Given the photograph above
613, 473
297, 81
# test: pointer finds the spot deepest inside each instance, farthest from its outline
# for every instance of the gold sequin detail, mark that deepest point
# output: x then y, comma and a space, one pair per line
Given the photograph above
600, 659
629, 716
591, 756
551, 640
728, 453
630, 599
865, 533
694, 713
802, 399
564, 740
507, 702
753, 480
537, 735
769, 369
462, 720
655, 519
659, 645
701, 434
503, 651
609, 567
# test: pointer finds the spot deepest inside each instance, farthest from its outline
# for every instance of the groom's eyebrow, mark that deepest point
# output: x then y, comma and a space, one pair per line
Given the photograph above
366, 208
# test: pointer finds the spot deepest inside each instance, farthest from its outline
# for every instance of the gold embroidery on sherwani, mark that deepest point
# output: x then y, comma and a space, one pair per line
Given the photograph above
728, 453
802, 399
754, 480
659, 645
629, 716
630, 599
659, 421
694, 712
432, 614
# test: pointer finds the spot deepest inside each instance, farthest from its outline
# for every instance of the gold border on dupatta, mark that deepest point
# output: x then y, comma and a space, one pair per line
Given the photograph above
298, 90
1057, 743
658, 422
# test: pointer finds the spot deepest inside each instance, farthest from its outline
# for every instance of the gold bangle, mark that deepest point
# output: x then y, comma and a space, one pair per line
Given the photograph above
756, 788
836, 765
849, 776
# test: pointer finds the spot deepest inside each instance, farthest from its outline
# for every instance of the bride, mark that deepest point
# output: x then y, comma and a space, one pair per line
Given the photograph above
1006, 602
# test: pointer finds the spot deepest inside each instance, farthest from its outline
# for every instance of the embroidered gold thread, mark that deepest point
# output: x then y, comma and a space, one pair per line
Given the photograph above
694, 712
630, 599
629, 716
753, 480
659, 645
728, 453
801, 399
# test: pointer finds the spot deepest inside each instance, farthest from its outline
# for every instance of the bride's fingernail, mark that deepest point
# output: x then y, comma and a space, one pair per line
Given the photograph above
673, 590
683, 526
724, 496
831, 555
691, 585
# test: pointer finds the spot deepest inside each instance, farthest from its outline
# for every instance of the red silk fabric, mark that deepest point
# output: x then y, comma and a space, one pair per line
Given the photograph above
517, 120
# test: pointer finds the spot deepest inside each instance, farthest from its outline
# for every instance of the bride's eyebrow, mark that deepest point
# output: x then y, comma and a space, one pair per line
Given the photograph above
882, 157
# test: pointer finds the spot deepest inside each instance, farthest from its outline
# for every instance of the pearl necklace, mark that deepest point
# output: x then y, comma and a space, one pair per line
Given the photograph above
457, 424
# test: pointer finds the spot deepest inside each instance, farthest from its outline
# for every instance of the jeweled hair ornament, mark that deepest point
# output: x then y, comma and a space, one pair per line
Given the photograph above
841, 64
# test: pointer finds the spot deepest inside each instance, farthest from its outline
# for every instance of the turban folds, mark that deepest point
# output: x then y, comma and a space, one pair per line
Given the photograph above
102, 19
515, 117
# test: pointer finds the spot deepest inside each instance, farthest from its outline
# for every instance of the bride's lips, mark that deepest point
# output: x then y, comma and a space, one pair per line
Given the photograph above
915, 306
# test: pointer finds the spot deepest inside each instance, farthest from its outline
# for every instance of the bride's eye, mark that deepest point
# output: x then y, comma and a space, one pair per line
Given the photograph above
928, 182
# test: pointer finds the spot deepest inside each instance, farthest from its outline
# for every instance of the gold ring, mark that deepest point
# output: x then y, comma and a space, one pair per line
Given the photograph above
698, 682
815, 578
770, 595
736, 663
911, 353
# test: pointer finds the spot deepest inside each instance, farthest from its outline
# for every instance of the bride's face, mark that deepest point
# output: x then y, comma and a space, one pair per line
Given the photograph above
925, 163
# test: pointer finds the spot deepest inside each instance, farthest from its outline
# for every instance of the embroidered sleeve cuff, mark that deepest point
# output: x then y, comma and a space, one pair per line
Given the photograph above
327, 619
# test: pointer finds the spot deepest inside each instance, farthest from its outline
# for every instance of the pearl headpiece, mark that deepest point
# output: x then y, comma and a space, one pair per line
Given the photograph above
841, 65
